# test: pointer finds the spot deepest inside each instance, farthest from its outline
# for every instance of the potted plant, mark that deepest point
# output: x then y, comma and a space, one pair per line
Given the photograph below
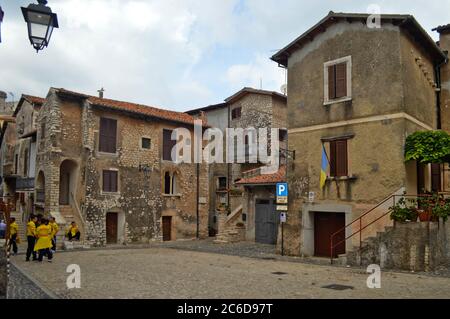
403, 213
424, 209
441, 210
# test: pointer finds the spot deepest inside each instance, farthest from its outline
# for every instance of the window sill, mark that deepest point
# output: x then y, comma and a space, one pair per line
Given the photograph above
336, 101
342, 178
171, 196
104, 154
110, 193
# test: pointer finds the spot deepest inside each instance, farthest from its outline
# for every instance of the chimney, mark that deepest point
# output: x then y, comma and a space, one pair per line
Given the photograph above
100, 93
444, 43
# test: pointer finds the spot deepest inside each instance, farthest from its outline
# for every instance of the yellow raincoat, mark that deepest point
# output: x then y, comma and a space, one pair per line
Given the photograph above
43, 233
31, 228
13, 229
55, 228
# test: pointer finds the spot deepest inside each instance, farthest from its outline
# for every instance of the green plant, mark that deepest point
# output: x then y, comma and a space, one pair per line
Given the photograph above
442, 209
401, 212
428, 147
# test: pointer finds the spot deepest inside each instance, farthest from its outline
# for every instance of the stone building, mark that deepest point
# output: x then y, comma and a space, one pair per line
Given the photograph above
18, 158
106, 165
357, 92
247, 109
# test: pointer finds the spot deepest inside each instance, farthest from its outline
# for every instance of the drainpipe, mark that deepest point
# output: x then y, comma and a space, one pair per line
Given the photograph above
198, 200
437, 75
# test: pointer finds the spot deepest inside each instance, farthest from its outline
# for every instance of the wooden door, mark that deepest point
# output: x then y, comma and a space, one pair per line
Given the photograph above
167, 228
111, 228
325, 225
266, 222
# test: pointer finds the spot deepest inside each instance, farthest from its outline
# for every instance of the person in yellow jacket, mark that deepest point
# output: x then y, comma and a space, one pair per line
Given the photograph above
13, 235
73, 232
55, 230
31, 238
44, 240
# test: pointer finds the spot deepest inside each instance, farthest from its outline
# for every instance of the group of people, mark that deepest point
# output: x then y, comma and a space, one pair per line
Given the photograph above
41, 237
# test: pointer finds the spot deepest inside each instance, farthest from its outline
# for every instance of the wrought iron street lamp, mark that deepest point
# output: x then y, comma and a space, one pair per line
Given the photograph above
41, 22
1, 20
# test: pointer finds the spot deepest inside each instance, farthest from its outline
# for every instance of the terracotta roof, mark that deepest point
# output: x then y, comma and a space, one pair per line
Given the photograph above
34, 99
265, 179
207, 108
405, 21
141, 109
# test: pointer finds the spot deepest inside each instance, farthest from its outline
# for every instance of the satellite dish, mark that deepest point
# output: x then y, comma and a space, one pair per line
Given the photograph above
283, 89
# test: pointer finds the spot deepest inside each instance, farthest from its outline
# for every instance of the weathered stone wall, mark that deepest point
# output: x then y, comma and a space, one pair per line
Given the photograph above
407, 246
72, 133
3, 271
444, 42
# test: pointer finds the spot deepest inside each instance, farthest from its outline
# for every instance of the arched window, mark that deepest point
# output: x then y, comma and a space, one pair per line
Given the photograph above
170, 183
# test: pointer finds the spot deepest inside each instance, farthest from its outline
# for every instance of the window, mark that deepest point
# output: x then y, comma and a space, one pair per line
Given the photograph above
108, 135
282, 135
16, 164
338, 158
222, 182
168, 145
146, 143
110, 181
25, 163
42, 130
170, 183
236, 113
337, 76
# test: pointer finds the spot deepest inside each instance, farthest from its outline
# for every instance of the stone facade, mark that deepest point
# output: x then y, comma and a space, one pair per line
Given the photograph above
258, 109
390, 94
68, 140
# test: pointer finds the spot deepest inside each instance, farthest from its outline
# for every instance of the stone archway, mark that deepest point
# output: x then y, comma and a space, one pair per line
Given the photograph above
67, 181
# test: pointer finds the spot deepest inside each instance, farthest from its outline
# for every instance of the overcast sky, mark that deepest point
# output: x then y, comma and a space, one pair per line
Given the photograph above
176, 54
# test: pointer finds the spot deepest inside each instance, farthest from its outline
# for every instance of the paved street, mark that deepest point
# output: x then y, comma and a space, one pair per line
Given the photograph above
173, 273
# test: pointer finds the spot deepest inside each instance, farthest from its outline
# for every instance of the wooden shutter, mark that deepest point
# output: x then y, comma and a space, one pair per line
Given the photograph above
333, 158
168, 144
341, 80
331, 82
341, 158
108, 135
436, 178
110, 181
167, 183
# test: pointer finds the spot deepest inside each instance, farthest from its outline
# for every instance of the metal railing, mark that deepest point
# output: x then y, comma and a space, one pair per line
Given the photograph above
358, 221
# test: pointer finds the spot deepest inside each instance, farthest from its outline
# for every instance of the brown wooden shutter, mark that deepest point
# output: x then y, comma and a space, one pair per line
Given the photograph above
106, 181
333, 158
341, 80
168, 144
436, 178
108, 135
331, 82
113, 179
341, 158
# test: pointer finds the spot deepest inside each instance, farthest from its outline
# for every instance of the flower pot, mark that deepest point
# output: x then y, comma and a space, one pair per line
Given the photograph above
425, 216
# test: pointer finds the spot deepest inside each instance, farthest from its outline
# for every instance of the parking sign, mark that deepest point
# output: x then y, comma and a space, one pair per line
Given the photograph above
282, 189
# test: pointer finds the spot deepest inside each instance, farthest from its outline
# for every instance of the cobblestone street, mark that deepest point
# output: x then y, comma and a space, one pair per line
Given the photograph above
183, 273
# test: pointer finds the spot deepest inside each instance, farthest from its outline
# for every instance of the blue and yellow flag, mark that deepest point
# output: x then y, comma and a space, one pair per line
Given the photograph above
324, 168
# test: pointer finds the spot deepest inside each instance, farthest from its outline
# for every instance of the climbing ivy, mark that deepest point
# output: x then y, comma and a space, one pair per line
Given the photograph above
428, 147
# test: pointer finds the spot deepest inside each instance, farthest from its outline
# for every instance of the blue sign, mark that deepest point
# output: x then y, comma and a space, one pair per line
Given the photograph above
282, 189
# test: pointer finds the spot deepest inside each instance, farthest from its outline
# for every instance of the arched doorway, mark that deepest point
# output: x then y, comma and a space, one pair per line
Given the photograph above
67, 180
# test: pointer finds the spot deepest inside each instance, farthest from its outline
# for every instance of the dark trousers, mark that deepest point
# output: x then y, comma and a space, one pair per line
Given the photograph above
54, 243
30, 248
46, 252
77, 236
13, 243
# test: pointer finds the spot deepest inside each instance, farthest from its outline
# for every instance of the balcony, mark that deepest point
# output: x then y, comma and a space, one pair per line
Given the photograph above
23, 184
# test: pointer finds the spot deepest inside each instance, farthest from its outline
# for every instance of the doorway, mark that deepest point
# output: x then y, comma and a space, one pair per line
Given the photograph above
266, 222
111, 228
325, 225
167, 228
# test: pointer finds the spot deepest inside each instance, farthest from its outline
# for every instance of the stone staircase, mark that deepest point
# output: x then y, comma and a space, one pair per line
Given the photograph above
231, 227
22, 225
67, 216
